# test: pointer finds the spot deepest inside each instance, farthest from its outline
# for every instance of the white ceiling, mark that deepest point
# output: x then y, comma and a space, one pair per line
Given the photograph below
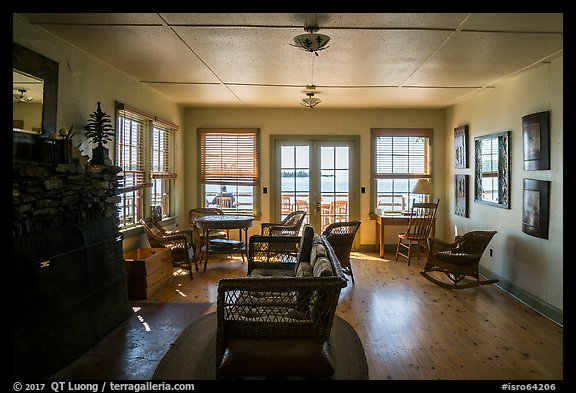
401, 60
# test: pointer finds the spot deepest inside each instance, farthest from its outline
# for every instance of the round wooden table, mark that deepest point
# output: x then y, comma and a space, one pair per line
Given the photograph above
216, 222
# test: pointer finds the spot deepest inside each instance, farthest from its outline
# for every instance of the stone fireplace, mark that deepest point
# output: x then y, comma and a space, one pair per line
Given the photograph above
68, 277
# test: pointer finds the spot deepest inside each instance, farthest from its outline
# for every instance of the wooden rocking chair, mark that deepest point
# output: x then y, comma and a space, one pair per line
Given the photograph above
457, 260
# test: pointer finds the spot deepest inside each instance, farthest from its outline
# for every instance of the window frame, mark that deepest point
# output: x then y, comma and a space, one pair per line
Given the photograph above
256, 210
143, 188
397, 132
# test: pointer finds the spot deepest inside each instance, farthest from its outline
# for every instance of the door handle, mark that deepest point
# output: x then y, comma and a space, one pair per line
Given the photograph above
318, 207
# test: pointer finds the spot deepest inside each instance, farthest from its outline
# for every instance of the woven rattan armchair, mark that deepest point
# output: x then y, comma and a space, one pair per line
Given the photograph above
278, 327
155, 224
341, 236
279, 255
198, 239
458, 259
289, 226
182, 250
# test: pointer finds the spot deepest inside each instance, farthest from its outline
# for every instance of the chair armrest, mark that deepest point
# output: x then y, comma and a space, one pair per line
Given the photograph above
284, 230
436, 245
174, 241
265, 227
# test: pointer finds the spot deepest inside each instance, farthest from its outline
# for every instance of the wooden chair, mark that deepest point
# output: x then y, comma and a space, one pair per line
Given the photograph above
457, 260
224, 202
289, 226
339, 207
199, 240
420, 225
286, 204
302, 204
341, 236
182, 250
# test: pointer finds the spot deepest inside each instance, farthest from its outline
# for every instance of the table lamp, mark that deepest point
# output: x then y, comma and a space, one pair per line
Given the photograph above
422, 187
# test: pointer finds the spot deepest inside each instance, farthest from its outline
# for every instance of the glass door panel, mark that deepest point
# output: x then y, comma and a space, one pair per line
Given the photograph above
295, 175
334, 184
315, 177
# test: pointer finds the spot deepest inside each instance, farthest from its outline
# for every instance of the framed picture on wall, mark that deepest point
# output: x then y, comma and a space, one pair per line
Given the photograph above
536, 141
461, 195
535, 207
461, 147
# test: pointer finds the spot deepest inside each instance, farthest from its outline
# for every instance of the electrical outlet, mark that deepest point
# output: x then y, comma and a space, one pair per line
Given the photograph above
491, 253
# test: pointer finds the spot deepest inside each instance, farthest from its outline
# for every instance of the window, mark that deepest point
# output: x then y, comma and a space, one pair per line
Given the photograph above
145, 149
229, 171
162, 168
401, 157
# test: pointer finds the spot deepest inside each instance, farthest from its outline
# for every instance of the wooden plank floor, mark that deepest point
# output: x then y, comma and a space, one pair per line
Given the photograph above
414, 330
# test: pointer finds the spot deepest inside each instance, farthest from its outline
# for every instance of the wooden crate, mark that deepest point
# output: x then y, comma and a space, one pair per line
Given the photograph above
148, 269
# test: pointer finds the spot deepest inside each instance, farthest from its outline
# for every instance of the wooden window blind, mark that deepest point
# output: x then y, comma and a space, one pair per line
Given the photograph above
162, 153
130, 157
229, 156
403, 154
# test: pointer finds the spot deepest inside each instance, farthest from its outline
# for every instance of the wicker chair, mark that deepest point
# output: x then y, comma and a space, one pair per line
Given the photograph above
155, 224
458, 260
289, 226
341, 236
279, 255
182, 251
279, 326
198, 239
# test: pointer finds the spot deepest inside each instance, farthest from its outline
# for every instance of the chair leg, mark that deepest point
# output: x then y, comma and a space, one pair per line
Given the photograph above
351, 274
398, 248
190, 270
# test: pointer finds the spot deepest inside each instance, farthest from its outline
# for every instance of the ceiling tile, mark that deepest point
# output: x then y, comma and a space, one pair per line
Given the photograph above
148, 53
477, 59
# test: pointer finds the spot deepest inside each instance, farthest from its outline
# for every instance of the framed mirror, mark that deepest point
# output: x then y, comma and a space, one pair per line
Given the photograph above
36, 74
492, 169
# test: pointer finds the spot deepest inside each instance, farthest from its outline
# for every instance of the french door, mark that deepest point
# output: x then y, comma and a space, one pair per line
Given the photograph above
317, 176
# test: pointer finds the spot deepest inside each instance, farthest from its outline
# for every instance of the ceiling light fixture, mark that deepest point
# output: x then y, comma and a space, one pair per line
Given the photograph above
311, 41
311, 101
22, 97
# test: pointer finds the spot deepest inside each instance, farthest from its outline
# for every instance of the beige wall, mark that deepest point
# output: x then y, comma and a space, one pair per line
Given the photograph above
530, 264
303, 121
30, 113
85, 80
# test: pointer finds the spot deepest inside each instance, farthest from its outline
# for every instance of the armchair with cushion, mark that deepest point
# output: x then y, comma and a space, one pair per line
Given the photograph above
276, 322
457, 260
182, 250
289, 226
